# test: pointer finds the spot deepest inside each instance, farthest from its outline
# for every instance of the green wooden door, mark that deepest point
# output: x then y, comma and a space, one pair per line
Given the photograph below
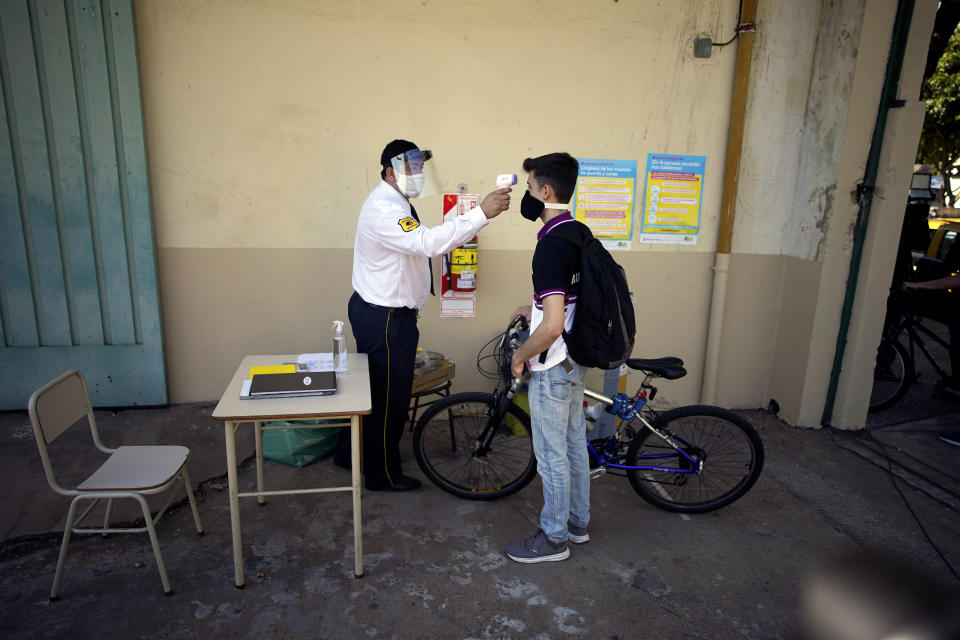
78, 285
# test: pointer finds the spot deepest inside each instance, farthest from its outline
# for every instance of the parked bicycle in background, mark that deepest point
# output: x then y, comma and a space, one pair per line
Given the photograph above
908, 332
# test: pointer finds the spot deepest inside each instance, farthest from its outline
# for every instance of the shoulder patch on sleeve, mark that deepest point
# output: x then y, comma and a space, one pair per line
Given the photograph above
408, 224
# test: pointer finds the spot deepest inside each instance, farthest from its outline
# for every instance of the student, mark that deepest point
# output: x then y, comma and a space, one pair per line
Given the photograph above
556, 381
392, 281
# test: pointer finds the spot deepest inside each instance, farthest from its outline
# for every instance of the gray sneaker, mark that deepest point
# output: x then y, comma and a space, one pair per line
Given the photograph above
578, 535
538, 548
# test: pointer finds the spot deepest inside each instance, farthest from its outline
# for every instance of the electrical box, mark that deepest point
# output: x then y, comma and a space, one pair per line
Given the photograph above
702, 47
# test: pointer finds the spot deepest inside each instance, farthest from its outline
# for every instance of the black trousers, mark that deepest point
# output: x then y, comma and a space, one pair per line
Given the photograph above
389, 338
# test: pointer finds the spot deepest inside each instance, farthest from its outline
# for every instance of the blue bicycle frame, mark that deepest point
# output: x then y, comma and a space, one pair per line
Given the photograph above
626, 409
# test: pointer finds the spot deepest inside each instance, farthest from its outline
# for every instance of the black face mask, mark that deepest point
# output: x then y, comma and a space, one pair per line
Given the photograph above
530, 207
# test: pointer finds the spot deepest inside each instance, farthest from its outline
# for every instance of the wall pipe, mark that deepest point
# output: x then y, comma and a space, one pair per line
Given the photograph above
731, 174
865, 190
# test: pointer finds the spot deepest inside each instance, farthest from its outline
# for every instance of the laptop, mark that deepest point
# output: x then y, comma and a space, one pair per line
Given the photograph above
292, 385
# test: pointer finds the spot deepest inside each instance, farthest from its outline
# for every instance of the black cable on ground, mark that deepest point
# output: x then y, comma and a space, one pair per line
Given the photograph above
893, 480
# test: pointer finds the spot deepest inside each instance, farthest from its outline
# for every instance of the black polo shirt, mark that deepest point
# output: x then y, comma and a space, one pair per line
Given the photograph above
556, 271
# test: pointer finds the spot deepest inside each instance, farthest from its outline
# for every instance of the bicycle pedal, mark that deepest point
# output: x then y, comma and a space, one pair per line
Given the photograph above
596, 473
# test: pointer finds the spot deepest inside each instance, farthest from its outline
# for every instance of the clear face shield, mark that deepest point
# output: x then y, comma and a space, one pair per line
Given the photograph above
413, 174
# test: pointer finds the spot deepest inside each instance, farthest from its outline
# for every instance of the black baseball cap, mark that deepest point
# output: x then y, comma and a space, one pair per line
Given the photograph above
396, 147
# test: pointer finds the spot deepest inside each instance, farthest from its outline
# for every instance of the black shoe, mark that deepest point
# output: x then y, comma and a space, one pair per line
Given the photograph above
403, 483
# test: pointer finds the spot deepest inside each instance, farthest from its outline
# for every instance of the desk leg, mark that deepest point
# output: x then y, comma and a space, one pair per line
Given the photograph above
356, 443
258, 433
234, 503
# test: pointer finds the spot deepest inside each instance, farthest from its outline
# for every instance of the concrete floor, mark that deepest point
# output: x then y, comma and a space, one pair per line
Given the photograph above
434, 564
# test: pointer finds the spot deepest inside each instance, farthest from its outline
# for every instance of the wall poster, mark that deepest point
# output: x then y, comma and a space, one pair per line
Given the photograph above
604, 200
674, 188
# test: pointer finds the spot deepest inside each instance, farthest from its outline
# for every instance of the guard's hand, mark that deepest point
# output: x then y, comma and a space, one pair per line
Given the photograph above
496, 202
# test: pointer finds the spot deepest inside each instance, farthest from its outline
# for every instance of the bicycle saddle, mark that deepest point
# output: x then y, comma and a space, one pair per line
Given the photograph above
670, 367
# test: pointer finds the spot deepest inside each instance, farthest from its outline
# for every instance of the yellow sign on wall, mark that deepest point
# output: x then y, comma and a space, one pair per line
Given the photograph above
604, 199
671, 211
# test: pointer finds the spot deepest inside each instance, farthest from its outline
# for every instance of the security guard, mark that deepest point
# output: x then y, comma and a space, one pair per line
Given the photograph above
392, 279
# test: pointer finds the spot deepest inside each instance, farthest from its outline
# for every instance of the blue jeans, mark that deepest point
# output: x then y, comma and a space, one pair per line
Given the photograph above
559, 442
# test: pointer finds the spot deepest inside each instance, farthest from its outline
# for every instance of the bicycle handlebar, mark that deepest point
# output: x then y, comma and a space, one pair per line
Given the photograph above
510, 342
516, 325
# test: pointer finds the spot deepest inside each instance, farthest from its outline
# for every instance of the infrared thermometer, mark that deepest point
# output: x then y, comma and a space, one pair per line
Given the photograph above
506, 180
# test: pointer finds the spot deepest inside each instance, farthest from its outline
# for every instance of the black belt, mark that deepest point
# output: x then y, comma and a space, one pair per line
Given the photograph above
407, 311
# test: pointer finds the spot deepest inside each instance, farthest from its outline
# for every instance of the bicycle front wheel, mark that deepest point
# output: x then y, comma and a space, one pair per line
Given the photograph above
728, 447
446, 443
892, 375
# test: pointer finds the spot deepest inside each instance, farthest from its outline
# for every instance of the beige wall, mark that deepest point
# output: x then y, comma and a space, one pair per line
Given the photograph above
227, 302
265, 121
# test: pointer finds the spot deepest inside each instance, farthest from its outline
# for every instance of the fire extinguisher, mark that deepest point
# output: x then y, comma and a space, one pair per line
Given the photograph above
462, 267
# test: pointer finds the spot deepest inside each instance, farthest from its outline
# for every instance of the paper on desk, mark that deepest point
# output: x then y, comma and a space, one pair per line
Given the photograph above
317, 361
245, 388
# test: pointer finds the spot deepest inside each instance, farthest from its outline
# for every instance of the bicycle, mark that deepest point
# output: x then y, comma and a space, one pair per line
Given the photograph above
895, 368
692, 459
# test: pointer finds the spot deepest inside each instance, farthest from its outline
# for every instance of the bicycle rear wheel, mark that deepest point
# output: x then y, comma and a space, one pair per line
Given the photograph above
728, 446
892, 375
446, 441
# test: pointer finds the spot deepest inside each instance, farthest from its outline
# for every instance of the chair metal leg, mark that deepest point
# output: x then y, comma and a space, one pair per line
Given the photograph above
106, 518
71, 514
192, 499
148, 517
442, 390
413, 412
258, 434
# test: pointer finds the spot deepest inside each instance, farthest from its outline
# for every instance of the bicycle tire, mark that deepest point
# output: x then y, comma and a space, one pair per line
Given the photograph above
447, 457
729, 446
892, 375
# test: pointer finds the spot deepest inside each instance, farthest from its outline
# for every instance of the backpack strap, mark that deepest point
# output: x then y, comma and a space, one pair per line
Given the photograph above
578, 243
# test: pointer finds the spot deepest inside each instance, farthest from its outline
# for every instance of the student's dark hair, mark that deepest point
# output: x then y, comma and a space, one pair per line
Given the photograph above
559, 170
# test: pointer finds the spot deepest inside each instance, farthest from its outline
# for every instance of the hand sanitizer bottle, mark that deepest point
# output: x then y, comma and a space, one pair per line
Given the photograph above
339, 348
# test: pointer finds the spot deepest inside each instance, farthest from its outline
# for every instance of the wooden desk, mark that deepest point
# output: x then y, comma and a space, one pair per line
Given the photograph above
344, 407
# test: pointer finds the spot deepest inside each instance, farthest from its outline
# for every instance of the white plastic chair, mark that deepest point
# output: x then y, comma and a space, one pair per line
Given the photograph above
129, 472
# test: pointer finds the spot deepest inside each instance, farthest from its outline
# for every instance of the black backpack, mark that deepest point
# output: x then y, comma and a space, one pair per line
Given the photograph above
603, 326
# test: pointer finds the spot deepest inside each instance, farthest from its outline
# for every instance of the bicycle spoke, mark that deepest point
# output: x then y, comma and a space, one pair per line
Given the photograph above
503, 466
729, 455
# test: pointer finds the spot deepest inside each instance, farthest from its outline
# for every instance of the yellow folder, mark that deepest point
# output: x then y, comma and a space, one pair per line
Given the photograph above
273, 368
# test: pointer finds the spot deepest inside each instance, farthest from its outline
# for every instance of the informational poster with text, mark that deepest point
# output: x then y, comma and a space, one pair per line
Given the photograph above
674, 188
603, 200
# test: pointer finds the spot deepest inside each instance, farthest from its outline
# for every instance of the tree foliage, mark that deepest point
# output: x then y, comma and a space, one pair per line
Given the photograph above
940, 139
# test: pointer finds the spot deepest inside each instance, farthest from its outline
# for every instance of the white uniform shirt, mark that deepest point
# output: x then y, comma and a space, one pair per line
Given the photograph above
390, 252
